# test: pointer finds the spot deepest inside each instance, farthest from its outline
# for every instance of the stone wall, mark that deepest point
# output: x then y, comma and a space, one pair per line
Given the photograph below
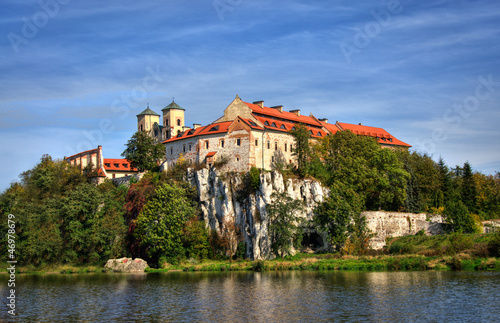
397, 224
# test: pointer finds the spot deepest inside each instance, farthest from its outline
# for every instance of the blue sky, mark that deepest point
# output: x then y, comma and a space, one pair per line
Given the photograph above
74, 74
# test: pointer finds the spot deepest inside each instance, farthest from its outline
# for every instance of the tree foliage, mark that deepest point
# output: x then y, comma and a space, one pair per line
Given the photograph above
302, 149
143, 153
284, 223
60, 217
161, 221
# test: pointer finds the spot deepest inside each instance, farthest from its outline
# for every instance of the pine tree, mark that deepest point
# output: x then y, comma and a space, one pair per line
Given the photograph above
469, 189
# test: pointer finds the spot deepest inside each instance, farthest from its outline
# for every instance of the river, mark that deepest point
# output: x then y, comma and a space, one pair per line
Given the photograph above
290, 296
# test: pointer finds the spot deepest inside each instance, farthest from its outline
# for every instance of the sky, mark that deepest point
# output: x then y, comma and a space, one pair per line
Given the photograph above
74, 74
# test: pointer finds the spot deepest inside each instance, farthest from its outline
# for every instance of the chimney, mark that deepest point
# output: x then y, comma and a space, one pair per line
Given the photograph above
196, 125
325, 120
278, 107
184, 128
296, 112
259, 103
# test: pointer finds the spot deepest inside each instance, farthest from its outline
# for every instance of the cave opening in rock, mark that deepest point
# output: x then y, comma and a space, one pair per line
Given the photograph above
312, 241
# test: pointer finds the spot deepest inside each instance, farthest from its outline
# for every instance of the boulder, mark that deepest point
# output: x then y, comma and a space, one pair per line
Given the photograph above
126, 265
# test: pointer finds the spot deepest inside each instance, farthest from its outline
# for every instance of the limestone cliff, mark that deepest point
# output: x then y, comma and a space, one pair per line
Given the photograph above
223, 199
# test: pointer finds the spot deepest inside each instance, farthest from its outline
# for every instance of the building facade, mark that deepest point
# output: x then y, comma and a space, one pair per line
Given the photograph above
251, 134
101, 167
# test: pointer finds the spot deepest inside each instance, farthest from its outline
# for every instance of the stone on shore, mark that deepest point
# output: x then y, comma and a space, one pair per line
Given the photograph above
126, 265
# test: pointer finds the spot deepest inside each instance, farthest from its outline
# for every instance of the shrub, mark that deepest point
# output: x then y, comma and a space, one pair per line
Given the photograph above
494, 245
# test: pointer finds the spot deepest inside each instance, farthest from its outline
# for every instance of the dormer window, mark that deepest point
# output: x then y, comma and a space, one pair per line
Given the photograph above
273, 125
125, 165
283, 126
117, 165
266, 123
107, 164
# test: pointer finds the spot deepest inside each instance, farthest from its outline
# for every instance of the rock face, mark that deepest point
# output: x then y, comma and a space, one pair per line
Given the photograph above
126, 265
223, 201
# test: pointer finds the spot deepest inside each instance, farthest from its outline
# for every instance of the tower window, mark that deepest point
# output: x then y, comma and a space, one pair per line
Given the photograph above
275, 145
238, 142
178, 122
268, 144
256, 142
142, 128
166, 122
206, 144
222, 143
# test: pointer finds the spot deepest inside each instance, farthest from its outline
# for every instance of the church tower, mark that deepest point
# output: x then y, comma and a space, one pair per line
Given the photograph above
146, 121
173, 120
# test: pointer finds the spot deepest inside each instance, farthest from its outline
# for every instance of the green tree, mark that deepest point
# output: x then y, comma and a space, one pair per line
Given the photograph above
336, 215
284, 223
469, 189
458, 215
302, 148
161, 221
143, 153
488, 192
388, 190
195, 239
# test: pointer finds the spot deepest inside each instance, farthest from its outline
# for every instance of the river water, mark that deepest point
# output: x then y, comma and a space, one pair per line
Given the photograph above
289, 296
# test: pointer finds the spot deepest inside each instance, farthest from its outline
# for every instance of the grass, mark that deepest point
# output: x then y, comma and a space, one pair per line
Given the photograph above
444, 252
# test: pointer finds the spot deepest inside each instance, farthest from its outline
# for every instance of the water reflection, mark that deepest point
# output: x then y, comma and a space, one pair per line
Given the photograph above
260, 297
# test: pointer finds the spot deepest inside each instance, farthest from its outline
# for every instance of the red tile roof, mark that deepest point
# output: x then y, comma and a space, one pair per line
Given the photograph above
383, 136
288, 116
211, 154
287, 126
100, 173
214, 128
118, 165
284, 121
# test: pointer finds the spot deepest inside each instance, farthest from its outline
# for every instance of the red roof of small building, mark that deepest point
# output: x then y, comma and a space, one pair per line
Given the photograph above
211, 154
113, 164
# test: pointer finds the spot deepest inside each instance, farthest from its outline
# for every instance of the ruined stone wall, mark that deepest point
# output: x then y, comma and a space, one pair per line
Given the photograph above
398, 224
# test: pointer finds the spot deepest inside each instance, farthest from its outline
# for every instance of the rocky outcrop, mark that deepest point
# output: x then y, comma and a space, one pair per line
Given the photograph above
397, 224
225, 200
126, 265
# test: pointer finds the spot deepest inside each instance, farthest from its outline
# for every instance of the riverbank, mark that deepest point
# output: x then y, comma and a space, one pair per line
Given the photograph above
468, 252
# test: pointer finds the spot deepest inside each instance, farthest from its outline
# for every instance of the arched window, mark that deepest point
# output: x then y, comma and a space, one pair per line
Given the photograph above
142, 128
178, 122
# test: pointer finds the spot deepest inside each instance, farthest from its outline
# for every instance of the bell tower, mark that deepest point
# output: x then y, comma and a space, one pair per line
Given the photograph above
173, 120
146, 119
